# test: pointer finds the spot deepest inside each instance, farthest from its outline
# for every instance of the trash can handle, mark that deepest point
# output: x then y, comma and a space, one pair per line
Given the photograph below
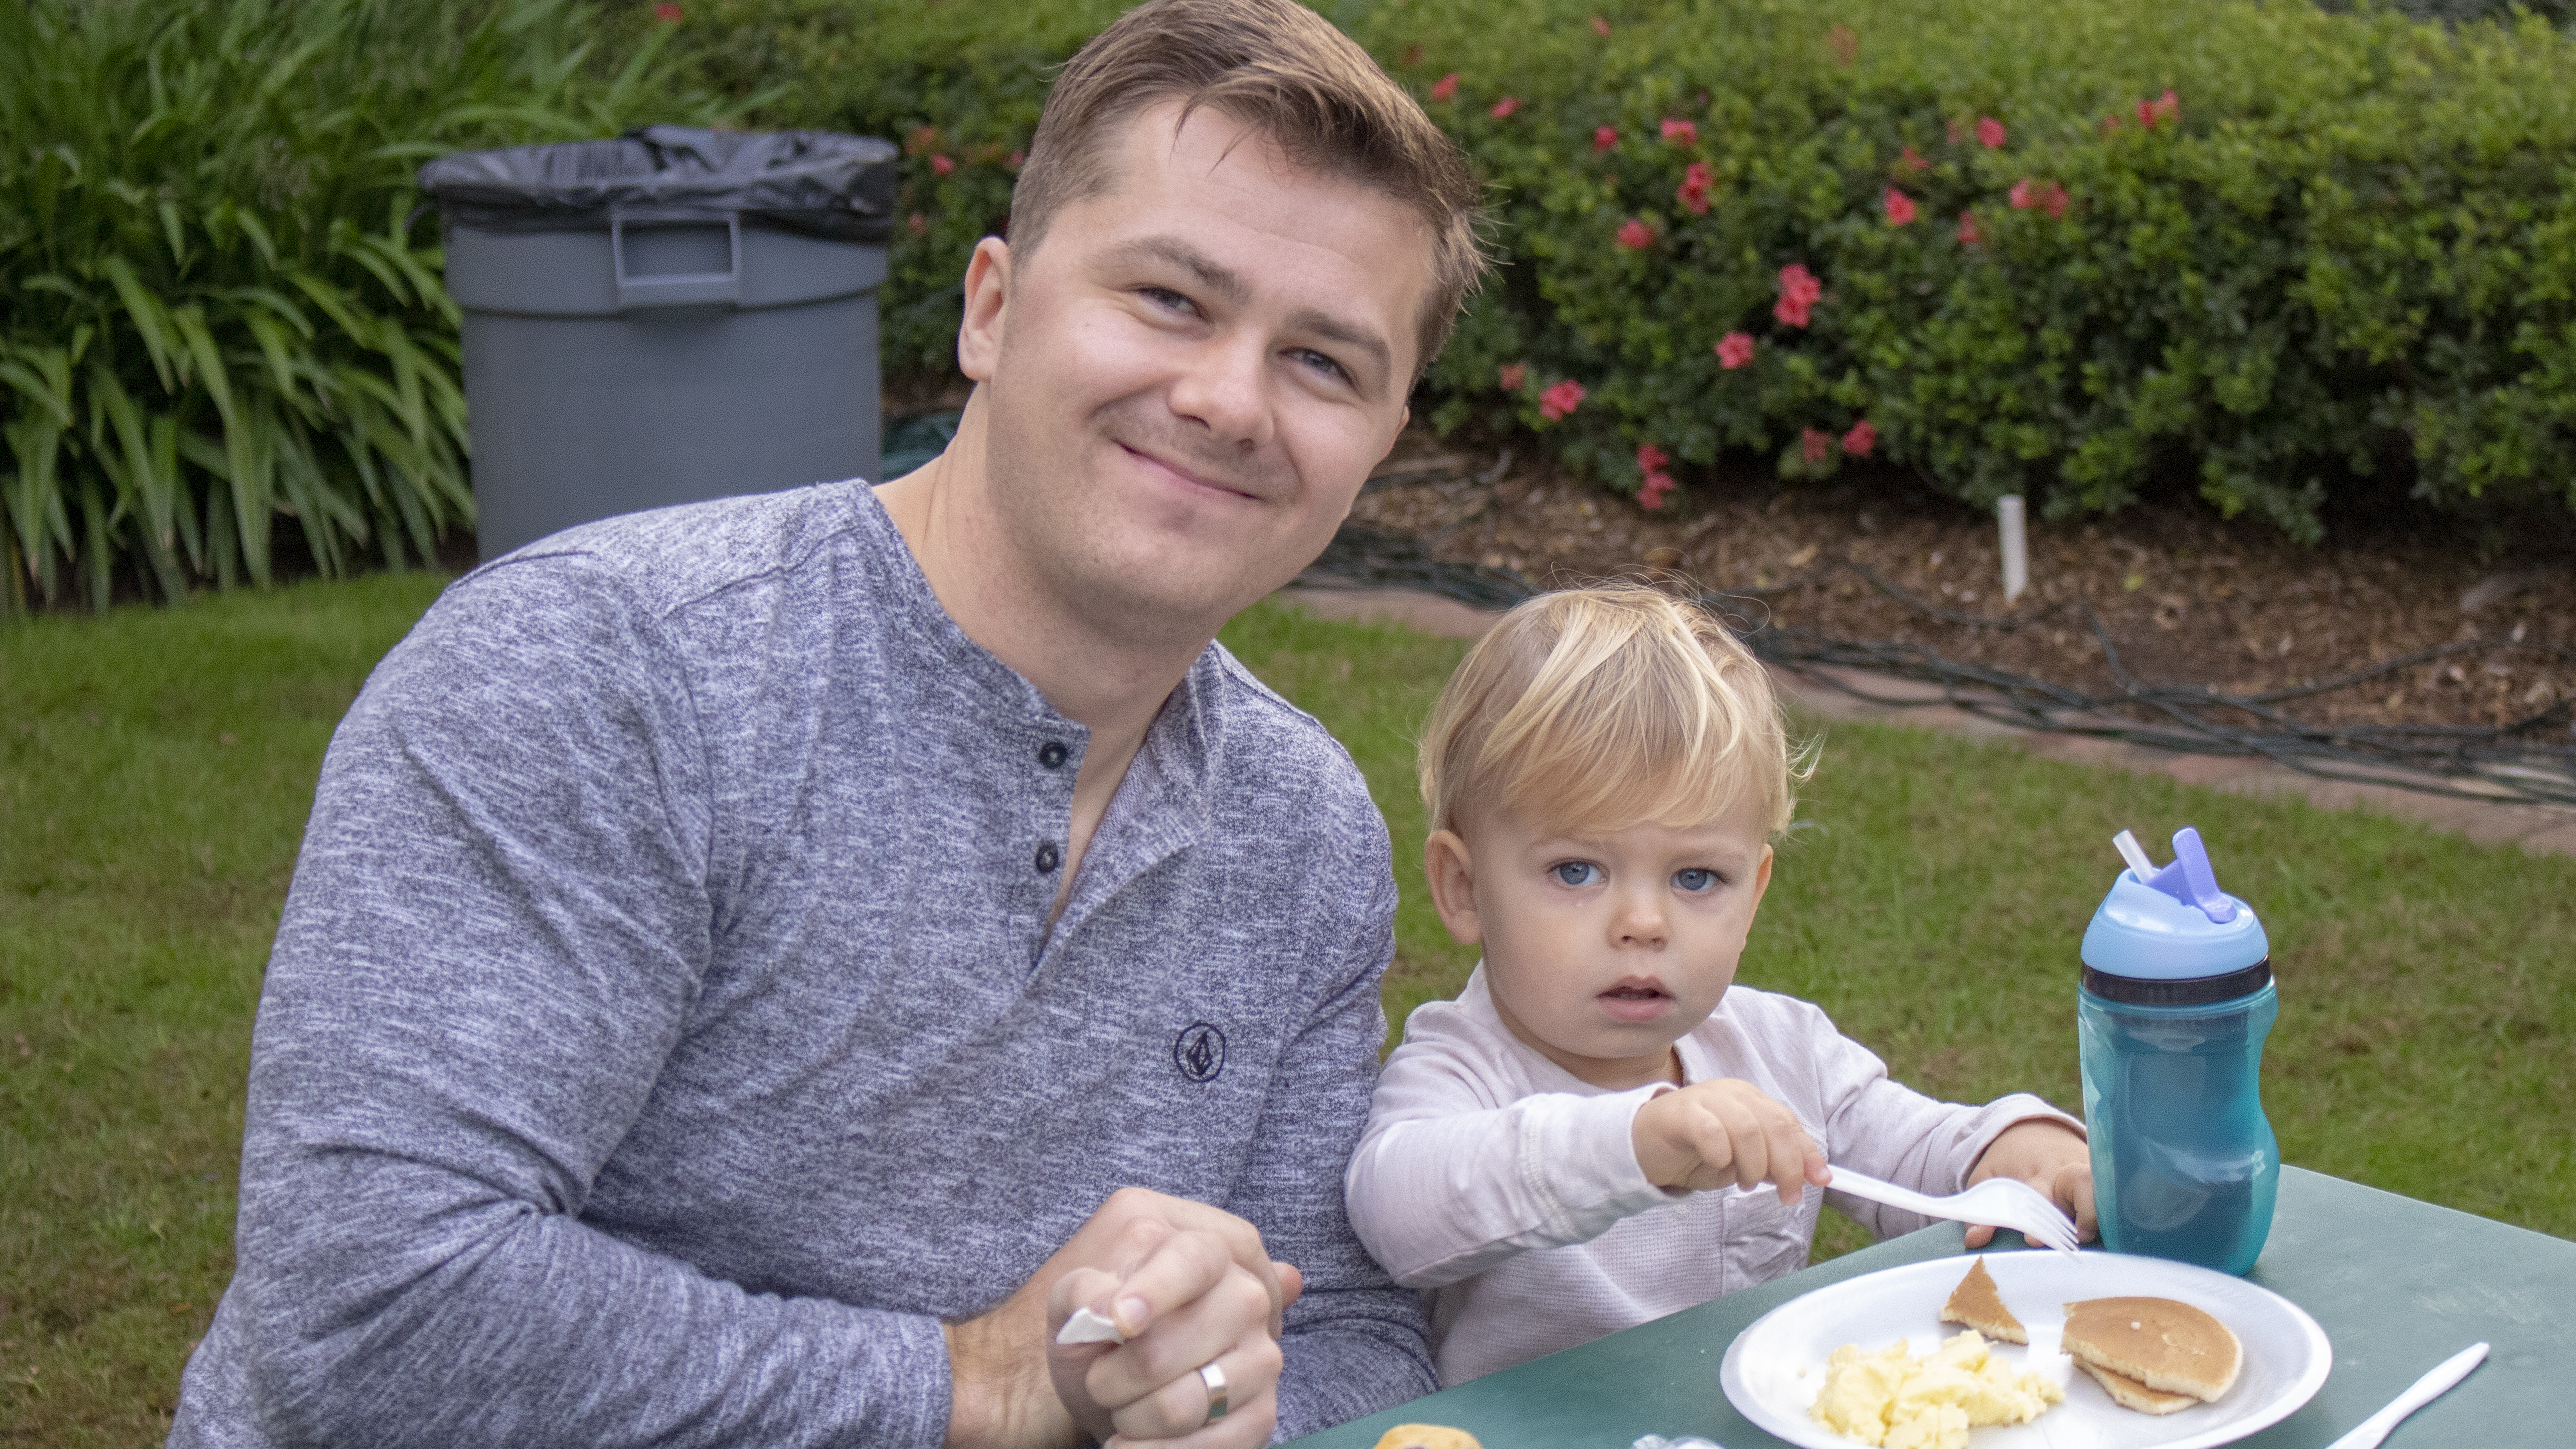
680, 289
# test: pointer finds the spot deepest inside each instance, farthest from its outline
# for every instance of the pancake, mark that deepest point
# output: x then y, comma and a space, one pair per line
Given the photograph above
1427, 1436
1976, 1304
2128, 1393
2170, 1347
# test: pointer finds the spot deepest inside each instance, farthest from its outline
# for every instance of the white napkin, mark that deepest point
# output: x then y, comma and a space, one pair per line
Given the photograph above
1086, 1326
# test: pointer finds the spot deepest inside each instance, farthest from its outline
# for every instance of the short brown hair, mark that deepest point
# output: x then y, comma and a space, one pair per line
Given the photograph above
1283, 70
1601, 707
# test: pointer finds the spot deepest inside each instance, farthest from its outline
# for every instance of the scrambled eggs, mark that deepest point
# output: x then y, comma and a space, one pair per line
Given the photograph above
1895, 1400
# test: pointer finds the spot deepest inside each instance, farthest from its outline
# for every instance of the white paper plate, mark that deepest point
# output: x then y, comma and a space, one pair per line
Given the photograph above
1776, 1367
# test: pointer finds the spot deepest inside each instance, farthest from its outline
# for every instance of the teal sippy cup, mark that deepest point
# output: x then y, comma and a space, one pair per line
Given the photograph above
2176, 999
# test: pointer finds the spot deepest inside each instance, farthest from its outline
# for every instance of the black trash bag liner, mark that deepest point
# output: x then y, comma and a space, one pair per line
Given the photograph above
820, 183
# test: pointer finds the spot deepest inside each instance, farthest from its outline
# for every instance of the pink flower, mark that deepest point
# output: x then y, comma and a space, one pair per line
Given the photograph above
1911, 163
1969, 233
1697, 179
1560, 399
2167, 107
1990, 133
1860, 439
1445, 88
1681, 132
1635, 235
1651, 496
920, 139
1016, 160
2019, 196
2055, 202
1735, 350
919, 223
1651, 459
941, 165
1601, 27
1604, 137
667, 13
1503, 108
1514, 374
1815, 445
1799, 293
1900, 207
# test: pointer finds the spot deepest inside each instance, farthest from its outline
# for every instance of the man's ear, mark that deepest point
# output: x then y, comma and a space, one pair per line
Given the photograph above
1452, 874
988, 298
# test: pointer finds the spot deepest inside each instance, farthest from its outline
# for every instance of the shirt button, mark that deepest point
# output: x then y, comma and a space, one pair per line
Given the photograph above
1047, 858
1051, 754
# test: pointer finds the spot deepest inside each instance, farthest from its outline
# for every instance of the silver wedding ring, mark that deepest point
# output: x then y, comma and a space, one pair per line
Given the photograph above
1214, 1378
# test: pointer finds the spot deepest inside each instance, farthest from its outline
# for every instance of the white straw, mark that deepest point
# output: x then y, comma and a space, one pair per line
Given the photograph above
2008, 515
2135, 855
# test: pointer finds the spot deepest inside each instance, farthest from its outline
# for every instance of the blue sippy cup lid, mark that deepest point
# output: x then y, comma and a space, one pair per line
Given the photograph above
2174, 923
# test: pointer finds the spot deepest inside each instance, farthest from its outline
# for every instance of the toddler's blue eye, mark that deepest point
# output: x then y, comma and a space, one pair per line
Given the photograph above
1695, 880
1577, 872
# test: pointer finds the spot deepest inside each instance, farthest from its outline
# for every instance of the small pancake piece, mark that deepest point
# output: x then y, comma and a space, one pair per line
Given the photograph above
1427, 1436
1976, 1304
2170, 1347
2128, 1393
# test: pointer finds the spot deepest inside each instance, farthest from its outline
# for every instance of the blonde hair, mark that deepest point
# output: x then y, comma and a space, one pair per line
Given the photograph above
1609, 705
1285, 72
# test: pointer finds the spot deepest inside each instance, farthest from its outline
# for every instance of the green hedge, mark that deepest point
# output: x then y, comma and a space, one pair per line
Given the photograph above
2345, 245
2345, 249
219, 309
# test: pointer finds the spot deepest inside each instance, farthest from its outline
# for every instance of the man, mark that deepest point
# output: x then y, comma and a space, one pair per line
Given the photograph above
756, 969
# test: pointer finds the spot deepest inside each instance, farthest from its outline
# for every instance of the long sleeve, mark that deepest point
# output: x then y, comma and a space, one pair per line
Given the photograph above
1353, 1342
1890, 1131
1443, 1187
494, 934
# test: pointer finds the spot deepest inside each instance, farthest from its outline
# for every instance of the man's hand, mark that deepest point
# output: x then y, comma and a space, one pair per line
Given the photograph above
2048, 1155
1187, 1283
1713, 1134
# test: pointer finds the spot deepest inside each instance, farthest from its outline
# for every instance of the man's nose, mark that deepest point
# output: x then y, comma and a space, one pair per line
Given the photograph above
1226, 388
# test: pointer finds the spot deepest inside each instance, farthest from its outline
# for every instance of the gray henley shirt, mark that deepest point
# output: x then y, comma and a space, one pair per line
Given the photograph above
664, 1033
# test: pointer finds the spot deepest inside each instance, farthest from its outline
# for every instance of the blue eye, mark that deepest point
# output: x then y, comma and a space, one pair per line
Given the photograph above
1576, 873
1695, 880
1323, 364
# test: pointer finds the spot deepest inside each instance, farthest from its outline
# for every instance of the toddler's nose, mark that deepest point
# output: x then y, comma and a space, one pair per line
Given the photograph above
1640, 922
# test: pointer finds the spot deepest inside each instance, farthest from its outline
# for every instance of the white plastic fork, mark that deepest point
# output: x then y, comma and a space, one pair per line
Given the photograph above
2001, 1202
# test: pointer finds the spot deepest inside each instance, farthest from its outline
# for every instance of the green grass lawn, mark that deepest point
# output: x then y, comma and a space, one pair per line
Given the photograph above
156, 767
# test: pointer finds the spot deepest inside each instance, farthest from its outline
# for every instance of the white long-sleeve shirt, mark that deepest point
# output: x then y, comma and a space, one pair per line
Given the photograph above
1509, 1190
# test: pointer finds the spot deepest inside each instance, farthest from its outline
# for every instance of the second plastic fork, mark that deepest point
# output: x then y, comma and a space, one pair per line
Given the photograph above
2001, 1202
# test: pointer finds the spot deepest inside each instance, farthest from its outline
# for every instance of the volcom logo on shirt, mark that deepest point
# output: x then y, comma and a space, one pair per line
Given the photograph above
1199, 1051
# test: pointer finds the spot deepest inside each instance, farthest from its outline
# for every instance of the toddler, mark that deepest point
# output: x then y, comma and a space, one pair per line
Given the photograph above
1605, 774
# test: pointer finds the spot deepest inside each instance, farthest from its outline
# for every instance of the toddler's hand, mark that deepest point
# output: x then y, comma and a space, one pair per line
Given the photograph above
1721, 1133
2049, 1156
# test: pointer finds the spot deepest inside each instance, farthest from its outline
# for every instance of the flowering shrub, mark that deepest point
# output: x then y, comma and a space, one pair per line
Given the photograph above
2249, 251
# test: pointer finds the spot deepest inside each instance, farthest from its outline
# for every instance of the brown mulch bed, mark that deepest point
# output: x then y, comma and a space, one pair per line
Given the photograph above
2184, 598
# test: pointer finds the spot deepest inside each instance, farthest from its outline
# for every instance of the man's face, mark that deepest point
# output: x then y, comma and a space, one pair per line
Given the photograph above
1190, 376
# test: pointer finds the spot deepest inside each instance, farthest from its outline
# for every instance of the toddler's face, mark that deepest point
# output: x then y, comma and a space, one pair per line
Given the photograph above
1603, 947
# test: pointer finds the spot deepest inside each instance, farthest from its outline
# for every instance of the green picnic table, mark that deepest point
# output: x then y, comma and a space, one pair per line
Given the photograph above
2398, 1285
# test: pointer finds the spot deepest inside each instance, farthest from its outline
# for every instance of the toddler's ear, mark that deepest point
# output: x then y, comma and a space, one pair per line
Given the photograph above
1451, 871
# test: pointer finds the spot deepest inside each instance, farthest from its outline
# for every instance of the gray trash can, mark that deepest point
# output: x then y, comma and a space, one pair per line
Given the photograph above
666, 317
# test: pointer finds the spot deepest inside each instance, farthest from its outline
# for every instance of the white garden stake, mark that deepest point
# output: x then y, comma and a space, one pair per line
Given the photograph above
2016, 548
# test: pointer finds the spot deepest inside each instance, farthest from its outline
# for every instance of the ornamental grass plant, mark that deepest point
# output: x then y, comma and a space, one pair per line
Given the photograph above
222, 309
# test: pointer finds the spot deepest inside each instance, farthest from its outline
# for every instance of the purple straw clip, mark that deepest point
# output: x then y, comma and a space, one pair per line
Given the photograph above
2190, 880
